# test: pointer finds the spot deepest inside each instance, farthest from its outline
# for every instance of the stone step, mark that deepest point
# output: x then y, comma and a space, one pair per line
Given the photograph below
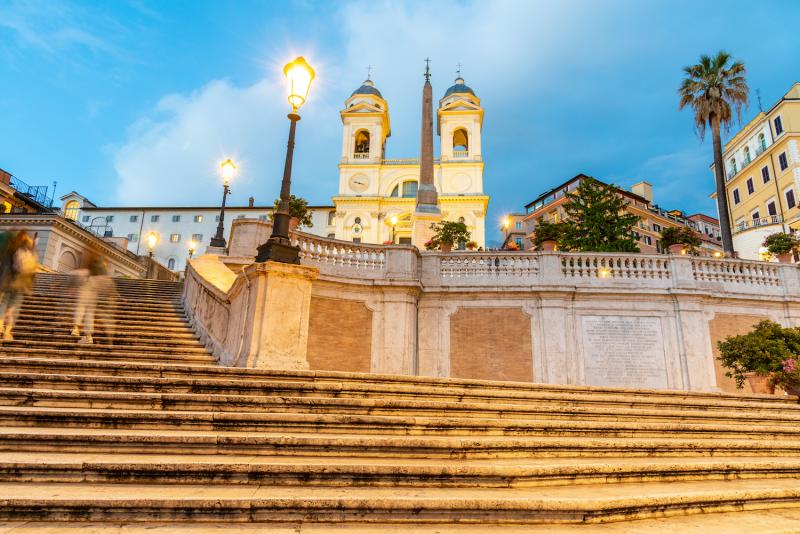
182, 378
47, 329
379, 424
38, 391
128, 293
85, 352
68, 311
110, 296
70, 343
220, 442
37, 467
488, 506
103, 339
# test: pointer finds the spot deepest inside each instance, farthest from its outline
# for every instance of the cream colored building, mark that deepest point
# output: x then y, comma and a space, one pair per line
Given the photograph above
762, 169
375, 191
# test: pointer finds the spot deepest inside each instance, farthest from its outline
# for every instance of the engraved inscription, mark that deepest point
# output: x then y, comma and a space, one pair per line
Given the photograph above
623, 351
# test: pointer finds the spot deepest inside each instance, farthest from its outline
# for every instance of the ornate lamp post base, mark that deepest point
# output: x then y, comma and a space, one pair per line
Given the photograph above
278, 249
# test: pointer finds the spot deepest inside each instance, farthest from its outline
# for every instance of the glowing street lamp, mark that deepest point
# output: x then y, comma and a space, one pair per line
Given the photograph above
506, 223
152, 241
192, 248
228, 170
393, 220
299, 76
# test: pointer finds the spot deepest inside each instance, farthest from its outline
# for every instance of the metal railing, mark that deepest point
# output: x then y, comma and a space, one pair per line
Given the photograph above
758, 223
37, 193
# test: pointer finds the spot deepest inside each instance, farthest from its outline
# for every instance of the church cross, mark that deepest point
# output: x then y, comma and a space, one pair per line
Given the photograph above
369, 72
458, 69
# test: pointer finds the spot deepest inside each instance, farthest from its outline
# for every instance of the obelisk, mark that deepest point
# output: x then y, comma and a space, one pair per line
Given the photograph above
427, 210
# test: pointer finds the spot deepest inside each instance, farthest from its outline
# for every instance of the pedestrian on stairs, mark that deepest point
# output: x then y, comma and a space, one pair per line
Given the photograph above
18, 266
93, 280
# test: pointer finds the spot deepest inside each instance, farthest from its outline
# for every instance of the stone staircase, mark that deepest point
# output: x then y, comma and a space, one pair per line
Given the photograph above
144, 426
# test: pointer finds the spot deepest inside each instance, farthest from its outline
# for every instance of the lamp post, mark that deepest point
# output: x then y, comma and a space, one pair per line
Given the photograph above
228, 170
393, 220
299, 75
152, 241
192, 248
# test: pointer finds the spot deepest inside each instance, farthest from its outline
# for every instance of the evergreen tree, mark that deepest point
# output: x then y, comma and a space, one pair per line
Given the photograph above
596, 220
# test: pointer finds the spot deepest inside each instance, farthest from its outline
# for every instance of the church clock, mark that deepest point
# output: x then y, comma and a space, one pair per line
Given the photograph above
359, 183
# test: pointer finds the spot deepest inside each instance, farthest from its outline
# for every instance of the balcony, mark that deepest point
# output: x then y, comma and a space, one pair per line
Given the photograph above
732, 173
460, 154
757, 223
364, 155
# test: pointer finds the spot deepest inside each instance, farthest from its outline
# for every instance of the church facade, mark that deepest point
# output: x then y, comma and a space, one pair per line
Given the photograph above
377, 198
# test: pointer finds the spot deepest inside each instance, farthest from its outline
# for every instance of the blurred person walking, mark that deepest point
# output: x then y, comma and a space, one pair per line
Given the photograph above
94, 280
18, 266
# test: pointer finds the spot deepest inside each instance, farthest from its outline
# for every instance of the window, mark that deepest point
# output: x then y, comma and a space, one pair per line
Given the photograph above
109, 218
734, 170
648, 240
362, 144
262, 217
409, 189
460, 142
771, 209
176, 218
755, 215
175, 238
154, 218
133, 238
133, 218
750, 186
746, 155
784, 163
71, 210
171, 264
331, 218
518, 225
518, 241
790, 201
778, 126
197, 238
108, 233
395, 191
656, 227
762, 142
331, 236
765, 174
240, 216
736, 198
86, 218
356, 240
198, 218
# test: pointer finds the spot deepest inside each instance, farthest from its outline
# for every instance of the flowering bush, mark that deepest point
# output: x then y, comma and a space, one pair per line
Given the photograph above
780, 243
768, 350
788, 377
512, 245
472, 245
431, 244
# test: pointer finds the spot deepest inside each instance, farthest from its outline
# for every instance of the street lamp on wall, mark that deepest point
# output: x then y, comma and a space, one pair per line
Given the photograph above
152, 241
299, 76
192, 248
228, 170
393, 220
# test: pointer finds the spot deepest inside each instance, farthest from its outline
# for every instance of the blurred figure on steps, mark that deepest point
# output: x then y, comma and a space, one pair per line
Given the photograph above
93, 280
18, 266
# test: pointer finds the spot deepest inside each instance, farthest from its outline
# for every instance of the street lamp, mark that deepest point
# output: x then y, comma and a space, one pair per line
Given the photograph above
393, 220
299, 75
228, 169
192, 248
152, 241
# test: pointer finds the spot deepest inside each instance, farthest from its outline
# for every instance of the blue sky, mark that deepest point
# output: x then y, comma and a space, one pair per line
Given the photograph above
135, 102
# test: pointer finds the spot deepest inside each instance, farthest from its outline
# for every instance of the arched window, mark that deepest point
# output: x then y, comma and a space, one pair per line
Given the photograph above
734, 170
460, 142
331, 218
395, 191
762, 141
71, 210
746, 155
171, 264
362, 144
410, 189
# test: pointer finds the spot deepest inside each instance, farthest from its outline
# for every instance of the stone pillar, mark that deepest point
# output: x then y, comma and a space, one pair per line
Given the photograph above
694, 343
395, 332
276, 325
555, 356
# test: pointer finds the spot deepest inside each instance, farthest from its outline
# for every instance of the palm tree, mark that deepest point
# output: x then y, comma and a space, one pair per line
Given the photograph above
714, 88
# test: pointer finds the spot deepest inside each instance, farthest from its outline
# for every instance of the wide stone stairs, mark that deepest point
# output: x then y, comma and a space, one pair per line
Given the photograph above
144, 426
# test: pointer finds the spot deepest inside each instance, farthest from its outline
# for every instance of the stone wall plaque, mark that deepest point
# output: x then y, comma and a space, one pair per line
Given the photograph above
623, 351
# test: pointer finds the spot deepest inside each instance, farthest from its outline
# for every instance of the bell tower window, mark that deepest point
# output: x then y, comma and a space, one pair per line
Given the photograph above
361, 145
460, 143
409, 189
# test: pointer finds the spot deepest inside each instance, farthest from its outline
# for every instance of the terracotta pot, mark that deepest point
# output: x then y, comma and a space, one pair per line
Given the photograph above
446, 247
294, 222
761, 384
549, 245
786, 257
676, 249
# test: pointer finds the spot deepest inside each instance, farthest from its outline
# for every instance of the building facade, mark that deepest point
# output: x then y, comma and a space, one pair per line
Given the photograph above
377, 196
176, 227
762, 172
513, 228
639, 201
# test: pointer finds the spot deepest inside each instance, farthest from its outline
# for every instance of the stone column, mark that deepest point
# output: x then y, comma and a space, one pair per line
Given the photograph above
694, 343
395, 334
276, 324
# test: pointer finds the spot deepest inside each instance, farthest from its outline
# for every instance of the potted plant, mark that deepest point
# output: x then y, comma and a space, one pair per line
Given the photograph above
788, 378
446, 233
512, 245
547, 235
782, 246
680, 240
298, 211
759, 356
472, 245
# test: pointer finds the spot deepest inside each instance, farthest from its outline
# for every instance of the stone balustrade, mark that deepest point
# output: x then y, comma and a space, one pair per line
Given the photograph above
341, 257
